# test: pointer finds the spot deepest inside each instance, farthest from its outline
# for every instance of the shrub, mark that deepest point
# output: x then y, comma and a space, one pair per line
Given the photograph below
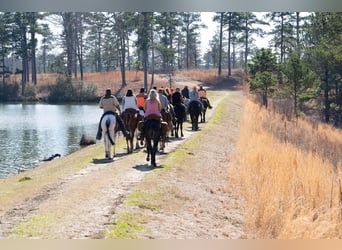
66, 91
30, 92
8, 91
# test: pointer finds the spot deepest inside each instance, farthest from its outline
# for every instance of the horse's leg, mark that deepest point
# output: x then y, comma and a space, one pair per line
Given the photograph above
154, 150
192, 117
105, 138
176, 129
148, 148
181, 128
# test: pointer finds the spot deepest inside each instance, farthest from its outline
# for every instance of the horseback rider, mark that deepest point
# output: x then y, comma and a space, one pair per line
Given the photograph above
164, 102
129, 101
141, 97
185, 92
194, 97
203, 95
152, 110
176, 97
166, 107
110, 105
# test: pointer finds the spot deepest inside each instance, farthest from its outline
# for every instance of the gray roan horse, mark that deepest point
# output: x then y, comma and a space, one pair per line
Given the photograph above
108, 124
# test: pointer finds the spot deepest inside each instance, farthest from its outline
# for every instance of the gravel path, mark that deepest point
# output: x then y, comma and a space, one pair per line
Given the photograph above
198, 200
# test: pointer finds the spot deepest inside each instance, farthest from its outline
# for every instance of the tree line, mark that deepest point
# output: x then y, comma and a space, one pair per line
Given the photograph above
306, 67
303, 56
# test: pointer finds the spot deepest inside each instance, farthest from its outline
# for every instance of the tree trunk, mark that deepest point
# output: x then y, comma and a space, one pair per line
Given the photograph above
229, 40
246, 43
24, 60
152, 59
326, 97
123, 61
220, 48
33, 59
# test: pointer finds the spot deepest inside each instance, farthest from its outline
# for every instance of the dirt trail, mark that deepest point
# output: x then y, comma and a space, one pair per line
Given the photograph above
201, 203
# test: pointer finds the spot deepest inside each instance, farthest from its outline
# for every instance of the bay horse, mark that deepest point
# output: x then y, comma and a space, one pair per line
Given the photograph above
206, 105
180, 113
108, 125
131, 119
194, 112
152, 131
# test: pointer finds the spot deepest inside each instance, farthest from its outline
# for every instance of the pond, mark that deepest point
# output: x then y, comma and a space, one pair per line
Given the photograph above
32, 132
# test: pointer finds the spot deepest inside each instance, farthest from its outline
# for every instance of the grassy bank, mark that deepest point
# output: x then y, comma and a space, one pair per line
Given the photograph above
291, 176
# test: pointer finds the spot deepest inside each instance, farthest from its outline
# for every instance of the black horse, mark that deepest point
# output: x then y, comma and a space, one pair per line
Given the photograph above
152, 130
194, 111
206, 105
180, 113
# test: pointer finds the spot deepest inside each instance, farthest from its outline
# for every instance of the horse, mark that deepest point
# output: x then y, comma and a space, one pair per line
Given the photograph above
180, 113
152, 131
206, 105
168, 117
194, 111
131, 119
108, 125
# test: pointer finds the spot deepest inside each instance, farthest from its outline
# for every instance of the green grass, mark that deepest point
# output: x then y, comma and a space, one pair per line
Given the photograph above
34, 226
127, 226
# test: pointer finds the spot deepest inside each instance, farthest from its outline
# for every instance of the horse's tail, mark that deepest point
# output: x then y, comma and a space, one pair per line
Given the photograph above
108, 134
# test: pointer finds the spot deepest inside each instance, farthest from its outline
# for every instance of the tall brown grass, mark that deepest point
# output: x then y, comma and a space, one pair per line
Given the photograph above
211, 75
134, 80
291, 176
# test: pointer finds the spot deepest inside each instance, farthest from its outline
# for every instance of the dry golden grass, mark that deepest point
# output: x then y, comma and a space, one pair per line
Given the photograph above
102, 81
291, 183
211, 75
134, 80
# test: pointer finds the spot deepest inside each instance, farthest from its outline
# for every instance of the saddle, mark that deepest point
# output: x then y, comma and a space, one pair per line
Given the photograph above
153, 117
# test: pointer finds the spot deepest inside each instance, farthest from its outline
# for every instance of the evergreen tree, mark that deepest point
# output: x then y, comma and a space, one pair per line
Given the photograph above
301, 81
262, 68
324, 55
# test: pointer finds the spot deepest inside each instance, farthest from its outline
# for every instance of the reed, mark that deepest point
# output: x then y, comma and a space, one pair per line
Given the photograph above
291, 176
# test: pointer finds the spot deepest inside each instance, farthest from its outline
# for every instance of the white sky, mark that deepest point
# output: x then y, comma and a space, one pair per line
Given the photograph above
207, 34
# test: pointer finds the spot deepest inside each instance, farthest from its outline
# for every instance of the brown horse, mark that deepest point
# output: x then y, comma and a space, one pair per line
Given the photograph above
131, 119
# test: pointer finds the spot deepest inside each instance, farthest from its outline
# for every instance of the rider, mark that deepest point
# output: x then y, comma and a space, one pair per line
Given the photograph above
141, 97
185, 92
152, 109
194, 97
164, 102
129, 101
203, 94
177, 97
110, 105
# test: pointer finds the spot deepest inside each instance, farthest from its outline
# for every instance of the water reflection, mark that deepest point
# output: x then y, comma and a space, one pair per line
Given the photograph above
30, 133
